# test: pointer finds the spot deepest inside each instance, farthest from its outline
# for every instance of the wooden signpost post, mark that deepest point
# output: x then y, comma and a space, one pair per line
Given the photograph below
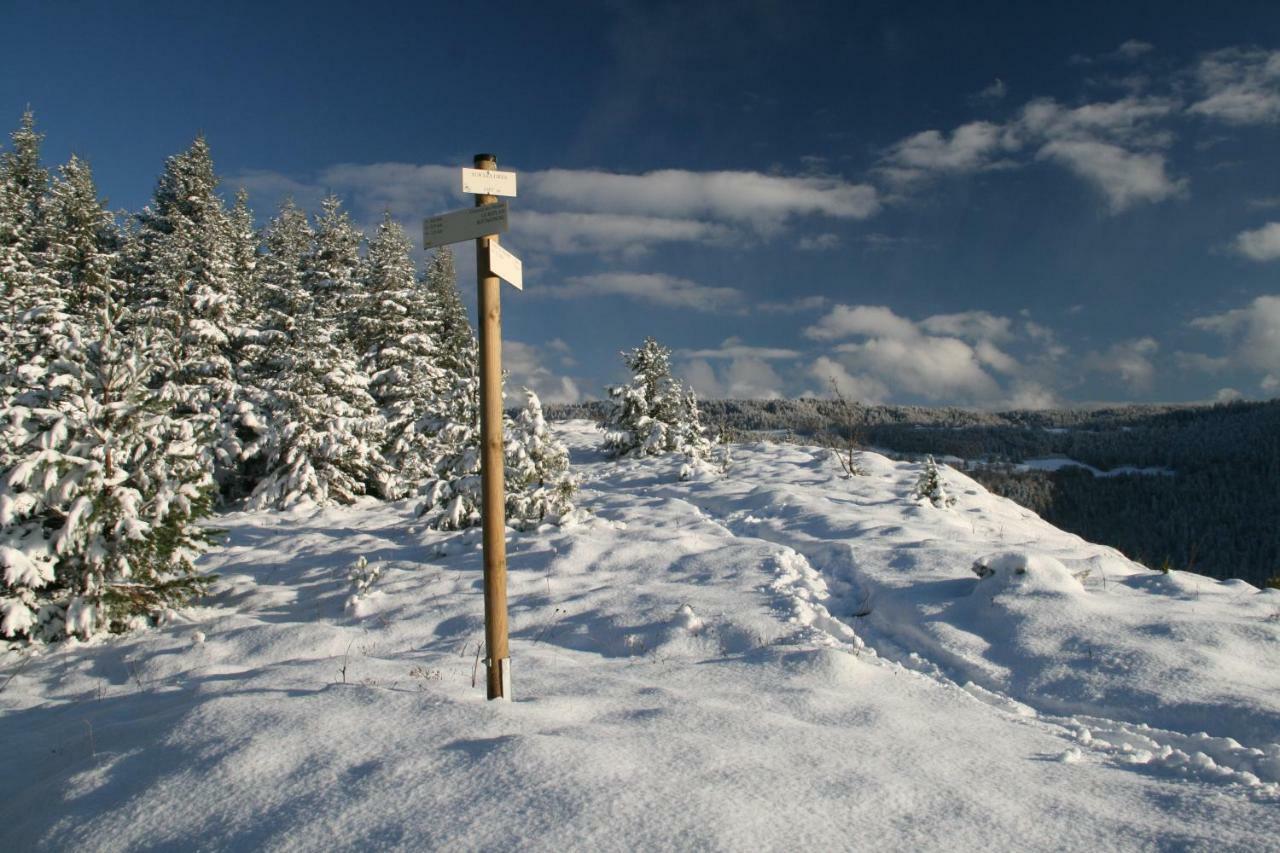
483, 223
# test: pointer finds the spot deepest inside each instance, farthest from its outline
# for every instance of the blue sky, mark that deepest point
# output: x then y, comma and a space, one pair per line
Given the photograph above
980, 204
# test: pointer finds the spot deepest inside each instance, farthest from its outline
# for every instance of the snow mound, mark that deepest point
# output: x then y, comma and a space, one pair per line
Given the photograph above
1026, 573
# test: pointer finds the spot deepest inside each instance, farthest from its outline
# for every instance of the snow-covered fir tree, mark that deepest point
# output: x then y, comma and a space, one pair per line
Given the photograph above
398, 326
930, 486
100, 501
539, 486
23, 184
457, 337
653, 413
185, 294
328, 431
452, 493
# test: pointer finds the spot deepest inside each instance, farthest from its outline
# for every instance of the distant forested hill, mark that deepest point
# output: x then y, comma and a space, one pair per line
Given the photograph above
1218, 513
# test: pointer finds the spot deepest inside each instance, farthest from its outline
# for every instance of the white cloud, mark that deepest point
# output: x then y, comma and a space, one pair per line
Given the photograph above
969, 148
1253, 335
1133, 49
733, 348
819, 242
744, 371
794, 306
902, 355
1227, 395
1031, 395
1129, 361
657, 288
936, 368
995, 92
763, 201
1114, 145
970, 325
526, 366
864, 389
1260, 244
1124, 177
596, 232
845, 321
1240, 86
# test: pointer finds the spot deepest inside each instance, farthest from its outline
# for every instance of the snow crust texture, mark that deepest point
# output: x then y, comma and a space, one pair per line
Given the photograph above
772, 658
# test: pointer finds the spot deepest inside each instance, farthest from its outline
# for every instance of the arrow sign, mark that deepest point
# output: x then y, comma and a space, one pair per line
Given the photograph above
488, 182
466, 224
506, 266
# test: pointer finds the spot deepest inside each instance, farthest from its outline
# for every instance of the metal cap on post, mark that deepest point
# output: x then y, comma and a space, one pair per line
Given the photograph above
493, 497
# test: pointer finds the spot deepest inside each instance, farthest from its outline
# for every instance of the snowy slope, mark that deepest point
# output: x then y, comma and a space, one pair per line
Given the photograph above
773, 659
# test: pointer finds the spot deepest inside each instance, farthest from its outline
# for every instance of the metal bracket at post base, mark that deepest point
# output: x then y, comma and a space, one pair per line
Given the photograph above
503, 680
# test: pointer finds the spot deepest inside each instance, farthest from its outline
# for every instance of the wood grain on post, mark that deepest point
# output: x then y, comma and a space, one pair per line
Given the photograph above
493, 493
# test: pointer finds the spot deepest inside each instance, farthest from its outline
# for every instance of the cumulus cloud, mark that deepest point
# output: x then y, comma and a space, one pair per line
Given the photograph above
1116, 146
845, 321
969, 148
526, 365
1252, 334
1239, 86
657, 288
928, 358
970, 325
1128, 361
743, 378
1260, 244
1124, 177
862, 388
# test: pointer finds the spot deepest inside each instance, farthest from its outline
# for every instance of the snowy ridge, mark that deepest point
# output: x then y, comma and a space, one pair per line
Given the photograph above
774, 658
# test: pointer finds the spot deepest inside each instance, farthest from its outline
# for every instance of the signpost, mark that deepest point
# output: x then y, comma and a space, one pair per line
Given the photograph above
488, 182
483, 223
506, 265
466, 224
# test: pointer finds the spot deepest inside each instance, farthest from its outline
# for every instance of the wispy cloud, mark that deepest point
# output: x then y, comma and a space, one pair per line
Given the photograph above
762, 201
1239, 86
656, 288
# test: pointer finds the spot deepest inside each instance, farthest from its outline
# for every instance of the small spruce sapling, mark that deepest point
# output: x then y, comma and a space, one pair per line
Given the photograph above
653, 414
539, 486
930, 487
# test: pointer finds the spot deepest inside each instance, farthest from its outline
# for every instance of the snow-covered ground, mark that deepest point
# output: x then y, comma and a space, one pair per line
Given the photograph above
773, 659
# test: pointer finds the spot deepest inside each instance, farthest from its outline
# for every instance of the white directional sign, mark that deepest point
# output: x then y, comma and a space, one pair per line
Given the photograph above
465, 224
488, 182
506, 266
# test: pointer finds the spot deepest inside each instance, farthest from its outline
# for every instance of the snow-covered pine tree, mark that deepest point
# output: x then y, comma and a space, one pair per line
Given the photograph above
99, 509
930, 487
458, 354
328, 432
538, 484
185, 295
398, 329
653, 414
23, 184
453, 493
